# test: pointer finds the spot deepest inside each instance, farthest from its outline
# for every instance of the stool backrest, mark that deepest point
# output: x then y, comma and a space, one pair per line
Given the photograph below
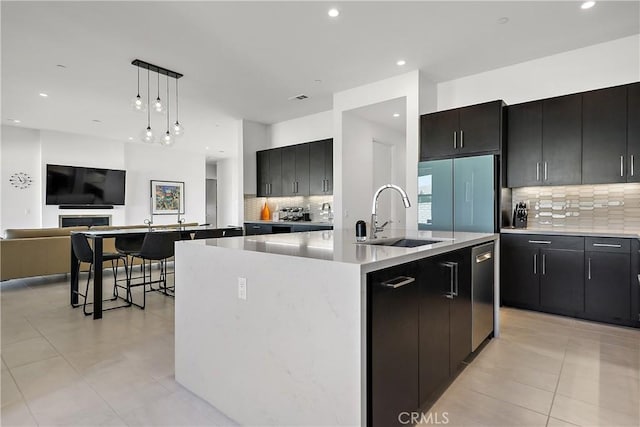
126, 244
159, 245
81, 247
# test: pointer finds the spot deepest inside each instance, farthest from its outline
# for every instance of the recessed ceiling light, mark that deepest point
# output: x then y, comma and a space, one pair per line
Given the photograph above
401, 62
396, 114
333, 12
130, 138
503, 20
206, 148
42, 94
14, 120
588, 5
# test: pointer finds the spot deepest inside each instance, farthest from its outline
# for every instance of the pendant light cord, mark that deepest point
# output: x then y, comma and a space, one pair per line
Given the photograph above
167, 103
148, 99
138, 81
177, 119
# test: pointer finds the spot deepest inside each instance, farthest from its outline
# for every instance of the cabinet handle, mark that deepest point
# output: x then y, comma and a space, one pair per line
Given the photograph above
606, 245
398, 282
453, 283
293, 187
540, 242
589, 269
537, 171
621, 165
544, 264
256, 227
455, 139
483, 257
461, 139
545, 171
631, 165
324, 185
535, 263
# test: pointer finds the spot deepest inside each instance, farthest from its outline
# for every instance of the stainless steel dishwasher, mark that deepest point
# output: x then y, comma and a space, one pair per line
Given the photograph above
482, 281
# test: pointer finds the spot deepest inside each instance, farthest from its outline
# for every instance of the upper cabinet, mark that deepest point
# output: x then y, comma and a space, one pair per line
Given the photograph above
633, 132
476, 129
604, 138
584, 138
321, 167
296, 170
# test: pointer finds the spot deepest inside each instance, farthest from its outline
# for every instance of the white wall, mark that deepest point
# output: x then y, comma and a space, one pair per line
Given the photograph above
601, 65
20, 152
255, 137
212, 170
144, 163
346, 159
302, 129
358, 136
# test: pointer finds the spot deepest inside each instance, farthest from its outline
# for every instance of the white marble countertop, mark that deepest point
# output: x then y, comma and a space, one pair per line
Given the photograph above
340, 246
575, 231
262, 221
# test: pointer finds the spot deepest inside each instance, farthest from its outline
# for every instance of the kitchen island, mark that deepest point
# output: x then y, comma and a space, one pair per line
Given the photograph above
273, 329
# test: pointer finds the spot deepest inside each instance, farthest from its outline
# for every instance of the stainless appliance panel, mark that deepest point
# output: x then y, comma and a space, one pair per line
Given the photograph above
482, 283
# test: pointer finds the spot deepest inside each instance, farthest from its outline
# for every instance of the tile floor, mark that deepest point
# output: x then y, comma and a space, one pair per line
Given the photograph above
62, 368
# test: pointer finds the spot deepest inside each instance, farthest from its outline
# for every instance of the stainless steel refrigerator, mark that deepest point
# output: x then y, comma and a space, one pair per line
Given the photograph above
458, 194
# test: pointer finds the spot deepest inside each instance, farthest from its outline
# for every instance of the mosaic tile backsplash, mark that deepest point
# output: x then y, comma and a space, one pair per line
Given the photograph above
253, 205
600, 207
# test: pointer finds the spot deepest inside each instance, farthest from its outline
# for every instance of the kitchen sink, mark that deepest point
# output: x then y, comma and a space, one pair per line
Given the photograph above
402, 242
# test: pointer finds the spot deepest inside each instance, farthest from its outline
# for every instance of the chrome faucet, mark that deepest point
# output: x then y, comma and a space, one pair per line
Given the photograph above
374, 209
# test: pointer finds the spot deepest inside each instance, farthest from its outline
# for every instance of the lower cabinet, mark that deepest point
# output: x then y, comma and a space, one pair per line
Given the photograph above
392, 342
419, 333
585, 277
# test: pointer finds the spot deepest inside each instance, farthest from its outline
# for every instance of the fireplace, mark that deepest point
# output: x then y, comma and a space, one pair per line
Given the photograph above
88, 220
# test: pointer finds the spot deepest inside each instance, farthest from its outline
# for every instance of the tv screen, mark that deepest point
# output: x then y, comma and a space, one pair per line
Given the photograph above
71, 185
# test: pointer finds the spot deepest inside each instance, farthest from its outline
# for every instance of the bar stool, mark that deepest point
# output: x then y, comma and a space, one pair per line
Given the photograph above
157, 246
84, 253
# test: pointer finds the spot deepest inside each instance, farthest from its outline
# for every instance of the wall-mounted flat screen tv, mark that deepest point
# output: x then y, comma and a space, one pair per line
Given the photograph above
71, 185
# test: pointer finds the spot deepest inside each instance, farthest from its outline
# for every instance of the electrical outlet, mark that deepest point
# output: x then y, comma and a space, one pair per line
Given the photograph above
242, 288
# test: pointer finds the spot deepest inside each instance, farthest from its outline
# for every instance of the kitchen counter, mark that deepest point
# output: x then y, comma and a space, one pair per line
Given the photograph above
272, 329
576, 231
260, 221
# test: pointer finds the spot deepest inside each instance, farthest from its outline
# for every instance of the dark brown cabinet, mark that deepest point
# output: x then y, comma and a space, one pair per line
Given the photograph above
474, 129
524, 136
562, 140
604, 139
445, 319
392, 341
561, 286
269, 173
295, 170
633, 132
321, 167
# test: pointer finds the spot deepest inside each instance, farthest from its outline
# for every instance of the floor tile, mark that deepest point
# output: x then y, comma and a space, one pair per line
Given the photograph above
9, 392
16, 414
554, 422
585, 414
28, 351
17, 329
41, 378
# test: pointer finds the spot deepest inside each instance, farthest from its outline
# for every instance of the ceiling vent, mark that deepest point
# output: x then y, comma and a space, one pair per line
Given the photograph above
300, 97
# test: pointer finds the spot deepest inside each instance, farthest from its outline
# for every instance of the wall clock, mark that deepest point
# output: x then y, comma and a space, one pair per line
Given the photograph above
21, 180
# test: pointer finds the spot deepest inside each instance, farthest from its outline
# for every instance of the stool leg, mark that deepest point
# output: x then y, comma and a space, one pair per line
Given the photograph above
86, 292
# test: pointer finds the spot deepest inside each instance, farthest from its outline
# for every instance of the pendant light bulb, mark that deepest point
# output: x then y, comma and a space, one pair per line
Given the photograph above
137, 103
167, 139
147, 136
158, 106
178, 129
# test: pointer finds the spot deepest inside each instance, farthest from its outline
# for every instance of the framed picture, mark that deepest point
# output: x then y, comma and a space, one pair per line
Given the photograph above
167, 197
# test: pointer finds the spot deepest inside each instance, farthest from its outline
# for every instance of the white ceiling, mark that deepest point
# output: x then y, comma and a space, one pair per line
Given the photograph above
245, 59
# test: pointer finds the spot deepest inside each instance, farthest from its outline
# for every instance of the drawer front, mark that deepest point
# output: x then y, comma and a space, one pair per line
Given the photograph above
544, 241
607, 244
254, 229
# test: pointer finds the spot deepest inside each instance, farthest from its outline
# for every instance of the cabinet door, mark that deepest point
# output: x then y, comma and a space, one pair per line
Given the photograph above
275, 172
562, 140
524, 144
439, 134
263, 175
604, 136
561, 281
480, 128
328, 166
317, 166
288, 171
392, 344
607, 286
520, 284
633, 132
460, 327
302, 170
434, 364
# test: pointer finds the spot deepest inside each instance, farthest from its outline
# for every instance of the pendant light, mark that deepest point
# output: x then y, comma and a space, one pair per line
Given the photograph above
167, 138
158, 106
147, 134
178, 129
137, 104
